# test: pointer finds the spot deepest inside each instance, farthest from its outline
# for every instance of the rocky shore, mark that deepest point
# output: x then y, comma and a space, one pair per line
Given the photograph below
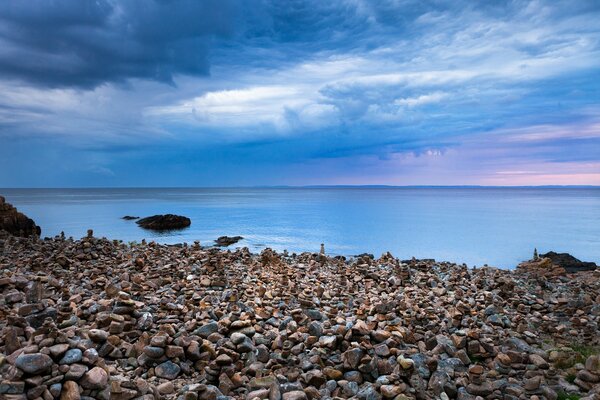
95, 318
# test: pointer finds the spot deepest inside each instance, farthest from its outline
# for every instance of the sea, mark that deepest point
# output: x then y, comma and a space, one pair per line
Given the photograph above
495, 226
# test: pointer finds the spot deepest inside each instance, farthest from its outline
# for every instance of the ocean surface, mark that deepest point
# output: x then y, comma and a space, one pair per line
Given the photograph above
477, 226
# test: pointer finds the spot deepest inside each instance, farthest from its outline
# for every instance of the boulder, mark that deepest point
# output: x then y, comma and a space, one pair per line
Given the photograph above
164, 222
16, 223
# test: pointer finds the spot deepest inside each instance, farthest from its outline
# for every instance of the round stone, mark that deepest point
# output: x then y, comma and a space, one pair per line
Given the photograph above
71, 356
34, 364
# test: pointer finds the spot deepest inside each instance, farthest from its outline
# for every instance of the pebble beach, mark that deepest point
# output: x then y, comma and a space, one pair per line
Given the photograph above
101, 319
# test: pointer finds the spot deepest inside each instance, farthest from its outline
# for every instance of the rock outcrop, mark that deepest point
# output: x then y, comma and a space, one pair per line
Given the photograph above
568, 262
16, 223
164, 222
554, 264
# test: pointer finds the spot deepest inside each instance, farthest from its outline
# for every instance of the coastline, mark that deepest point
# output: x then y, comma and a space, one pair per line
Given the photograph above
104, 319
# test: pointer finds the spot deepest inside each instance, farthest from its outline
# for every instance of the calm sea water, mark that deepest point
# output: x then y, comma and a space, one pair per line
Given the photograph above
494, 226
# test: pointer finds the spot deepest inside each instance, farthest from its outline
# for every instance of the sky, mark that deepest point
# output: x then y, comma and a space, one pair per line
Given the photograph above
111, 93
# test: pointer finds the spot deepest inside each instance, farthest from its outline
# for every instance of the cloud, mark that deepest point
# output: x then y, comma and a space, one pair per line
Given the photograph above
67, 43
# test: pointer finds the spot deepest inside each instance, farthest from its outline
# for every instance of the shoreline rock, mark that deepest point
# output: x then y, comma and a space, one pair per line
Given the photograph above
15, 222
164, 222
554, 264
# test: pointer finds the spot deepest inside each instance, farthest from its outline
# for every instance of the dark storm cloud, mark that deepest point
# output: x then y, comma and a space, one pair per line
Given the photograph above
72, 43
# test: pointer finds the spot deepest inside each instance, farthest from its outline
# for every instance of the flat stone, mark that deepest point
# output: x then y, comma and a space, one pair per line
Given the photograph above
295, 395
483, 389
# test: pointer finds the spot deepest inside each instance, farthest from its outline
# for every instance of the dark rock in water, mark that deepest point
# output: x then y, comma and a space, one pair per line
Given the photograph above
16, 223
164, 222
568, 262
225, 241
129, 218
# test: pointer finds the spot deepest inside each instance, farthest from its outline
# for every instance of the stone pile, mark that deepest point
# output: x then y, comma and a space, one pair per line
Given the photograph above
94, 318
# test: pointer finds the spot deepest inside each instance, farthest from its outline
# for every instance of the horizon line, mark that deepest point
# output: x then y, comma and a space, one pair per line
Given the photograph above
376, 186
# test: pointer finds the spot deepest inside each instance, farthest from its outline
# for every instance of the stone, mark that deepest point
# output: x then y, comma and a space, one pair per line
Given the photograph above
352, 357
71, 356
34, 364
94, 379
98, 335
166, 388
70, 391
532, 383
295, 395
154, 352
76, 371
8, 387
484, 389
223, 360
391, 391
167, 370
207, 329
538, 361
405, 363
592, 364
